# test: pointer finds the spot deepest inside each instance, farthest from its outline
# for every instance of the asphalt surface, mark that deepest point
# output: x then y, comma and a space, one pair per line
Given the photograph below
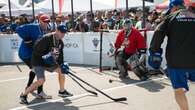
153, 94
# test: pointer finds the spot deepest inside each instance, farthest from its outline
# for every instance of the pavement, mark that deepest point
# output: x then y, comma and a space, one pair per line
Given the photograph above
153, 94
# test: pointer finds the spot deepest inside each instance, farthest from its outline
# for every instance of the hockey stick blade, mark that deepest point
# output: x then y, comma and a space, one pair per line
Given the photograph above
120, 99
92, 92
116, 100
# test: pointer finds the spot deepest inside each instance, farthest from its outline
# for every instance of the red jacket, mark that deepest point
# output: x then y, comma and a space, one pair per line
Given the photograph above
136, 41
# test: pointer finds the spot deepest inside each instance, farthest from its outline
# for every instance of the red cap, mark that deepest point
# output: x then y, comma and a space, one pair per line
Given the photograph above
44, 18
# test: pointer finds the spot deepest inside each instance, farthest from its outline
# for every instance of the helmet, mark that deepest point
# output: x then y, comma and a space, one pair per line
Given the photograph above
175, 3
62, 28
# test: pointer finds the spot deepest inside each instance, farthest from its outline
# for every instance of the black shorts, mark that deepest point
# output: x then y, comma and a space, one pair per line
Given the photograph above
28, 62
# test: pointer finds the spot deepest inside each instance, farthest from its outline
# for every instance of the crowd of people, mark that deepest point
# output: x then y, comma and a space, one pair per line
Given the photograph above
87, 21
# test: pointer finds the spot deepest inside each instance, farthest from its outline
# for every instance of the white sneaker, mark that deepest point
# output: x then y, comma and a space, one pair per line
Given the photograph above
43, 95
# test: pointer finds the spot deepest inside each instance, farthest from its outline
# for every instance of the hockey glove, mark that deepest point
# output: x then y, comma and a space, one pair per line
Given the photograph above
142, 55
64, 68
48, 59
155, 59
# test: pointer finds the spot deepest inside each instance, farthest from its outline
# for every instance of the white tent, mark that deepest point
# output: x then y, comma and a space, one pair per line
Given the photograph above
28, 11
122, 3
79, 5
2, 3
18, 9
6, 6
84, 5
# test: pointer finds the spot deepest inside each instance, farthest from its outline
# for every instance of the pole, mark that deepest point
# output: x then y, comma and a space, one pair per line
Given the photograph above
53, 15
144, 15
72, 10
91, 6
100, 68
10, 12
92, 16
126, 16
33, 10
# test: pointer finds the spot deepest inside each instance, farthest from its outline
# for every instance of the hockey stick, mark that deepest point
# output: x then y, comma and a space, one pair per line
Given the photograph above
92, 92
18, 67
114, 99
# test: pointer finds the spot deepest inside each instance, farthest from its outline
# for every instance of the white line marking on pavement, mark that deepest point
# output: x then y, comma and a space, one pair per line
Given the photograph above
14, 79
22, 78
85, 94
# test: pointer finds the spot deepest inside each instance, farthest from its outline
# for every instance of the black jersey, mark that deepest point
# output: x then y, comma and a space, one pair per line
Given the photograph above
47, 44
179, 29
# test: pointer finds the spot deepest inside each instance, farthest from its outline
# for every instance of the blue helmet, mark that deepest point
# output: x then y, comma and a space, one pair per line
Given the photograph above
175, 3
62, 28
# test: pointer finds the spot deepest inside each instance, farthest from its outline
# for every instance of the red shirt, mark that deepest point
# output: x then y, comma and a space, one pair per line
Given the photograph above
135, 39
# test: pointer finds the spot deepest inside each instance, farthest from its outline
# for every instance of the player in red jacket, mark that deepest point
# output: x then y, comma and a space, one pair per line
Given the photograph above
129, 42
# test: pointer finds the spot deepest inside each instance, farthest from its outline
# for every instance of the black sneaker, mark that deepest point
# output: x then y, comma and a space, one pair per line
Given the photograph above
64, 94
123, 76
144, 78
23, 99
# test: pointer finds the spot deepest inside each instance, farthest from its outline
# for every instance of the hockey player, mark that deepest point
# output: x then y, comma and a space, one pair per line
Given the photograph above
129, 42
178, 27
48, 55
29, 34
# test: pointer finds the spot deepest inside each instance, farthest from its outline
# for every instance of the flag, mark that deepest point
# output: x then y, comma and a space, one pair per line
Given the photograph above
61, 3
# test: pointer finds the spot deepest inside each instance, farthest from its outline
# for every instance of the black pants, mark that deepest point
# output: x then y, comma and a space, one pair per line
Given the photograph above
121, 63
32, 76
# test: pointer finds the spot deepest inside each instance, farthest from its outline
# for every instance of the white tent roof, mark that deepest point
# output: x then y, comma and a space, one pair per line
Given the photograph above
79, 5
2, 3
84, 5
18, 9
122, 3
28, 11
6, 6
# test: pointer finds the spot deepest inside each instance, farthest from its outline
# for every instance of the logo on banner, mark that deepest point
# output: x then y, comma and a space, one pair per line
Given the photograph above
95, 42
71, 45
14, 43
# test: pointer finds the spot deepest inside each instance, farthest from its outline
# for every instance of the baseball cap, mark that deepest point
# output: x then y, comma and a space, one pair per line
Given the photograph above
175, 3
62, 28
127, 22
44, 18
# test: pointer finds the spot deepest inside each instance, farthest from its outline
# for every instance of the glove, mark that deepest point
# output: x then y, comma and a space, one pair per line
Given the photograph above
28, 42
142, 54
155, 59
48, 59
64, 68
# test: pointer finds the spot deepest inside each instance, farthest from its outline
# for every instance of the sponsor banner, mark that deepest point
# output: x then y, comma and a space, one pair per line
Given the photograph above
9, 45
73, 48
79, 48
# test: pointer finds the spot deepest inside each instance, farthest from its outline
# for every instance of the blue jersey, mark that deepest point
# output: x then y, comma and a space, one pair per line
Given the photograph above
32, 31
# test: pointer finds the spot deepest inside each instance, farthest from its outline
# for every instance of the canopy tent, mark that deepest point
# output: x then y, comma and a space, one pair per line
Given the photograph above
6, 6
165, 4
122, 3
27, 10
16, 2
84, 5
18, 9
2, 3
79, 5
